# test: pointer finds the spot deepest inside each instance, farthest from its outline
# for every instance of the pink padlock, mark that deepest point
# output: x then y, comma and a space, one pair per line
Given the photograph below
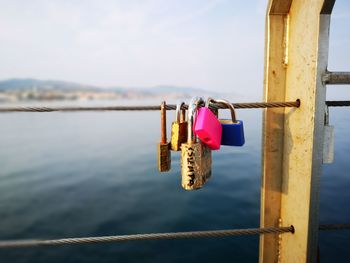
207, 127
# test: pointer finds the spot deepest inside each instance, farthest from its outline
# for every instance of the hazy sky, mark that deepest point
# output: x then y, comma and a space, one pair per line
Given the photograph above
209, 44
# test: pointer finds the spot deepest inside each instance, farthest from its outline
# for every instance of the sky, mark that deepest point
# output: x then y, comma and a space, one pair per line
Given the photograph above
215, 45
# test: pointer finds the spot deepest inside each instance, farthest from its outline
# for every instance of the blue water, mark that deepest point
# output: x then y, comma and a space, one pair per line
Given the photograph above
95, 173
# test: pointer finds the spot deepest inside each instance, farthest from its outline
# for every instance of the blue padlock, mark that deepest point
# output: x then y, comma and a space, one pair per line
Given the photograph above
232, 130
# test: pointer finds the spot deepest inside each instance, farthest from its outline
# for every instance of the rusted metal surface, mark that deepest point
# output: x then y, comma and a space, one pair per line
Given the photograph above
295, 59
164, 153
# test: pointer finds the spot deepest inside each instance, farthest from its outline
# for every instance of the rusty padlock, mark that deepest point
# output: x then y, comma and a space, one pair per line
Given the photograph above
164, 154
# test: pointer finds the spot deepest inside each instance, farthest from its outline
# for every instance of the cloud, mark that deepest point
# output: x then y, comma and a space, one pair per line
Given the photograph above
173, 21
211, 44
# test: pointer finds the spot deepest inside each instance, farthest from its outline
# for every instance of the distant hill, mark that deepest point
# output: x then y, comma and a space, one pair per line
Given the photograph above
30, 84
34, 89
25, 84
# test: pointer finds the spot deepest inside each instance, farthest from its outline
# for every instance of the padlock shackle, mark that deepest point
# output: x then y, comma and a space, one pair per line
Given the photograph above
192, 108
229, 105
178, 111
207, 103
215, 110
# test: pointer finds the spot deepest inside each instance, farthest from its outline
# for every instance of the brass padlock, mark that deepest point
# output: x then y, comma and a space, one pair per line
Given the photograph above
179, 128
164, 154
195, 156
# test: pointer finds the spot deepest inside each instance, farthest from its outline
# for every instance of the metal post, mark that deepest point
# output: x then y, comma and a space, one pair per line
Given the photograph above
295, 59
336, 78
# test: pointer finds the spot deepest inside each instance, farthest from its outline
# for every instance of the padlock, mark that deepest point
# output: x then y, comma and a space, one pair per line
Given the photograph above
232, 129
164, 154
195, 155
179, 128
207, 127
328, 139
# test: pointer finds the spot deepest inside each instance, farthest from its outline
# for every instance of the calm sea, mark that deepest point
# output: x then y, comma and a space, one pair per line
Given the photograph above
95, 173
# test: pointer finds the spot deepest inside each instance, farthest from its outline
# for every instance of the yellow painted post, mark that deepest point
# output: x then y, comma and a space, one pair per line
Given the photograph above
296, 55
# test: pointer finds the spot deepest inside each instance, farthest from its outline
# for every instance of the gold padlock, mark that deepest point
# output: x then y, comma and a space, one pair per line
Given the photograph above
164, 154
195, 155
179, 128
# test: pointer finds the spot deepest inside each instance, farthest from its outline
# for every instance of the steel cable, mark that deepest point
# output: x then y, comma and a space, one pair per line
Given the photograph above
158, 236
153, 236
339, 103
250, 105
246, 105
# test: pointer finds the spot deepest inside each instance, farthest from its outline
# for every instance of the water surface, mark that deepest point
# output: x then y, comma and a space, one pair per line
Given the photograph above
95, 173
